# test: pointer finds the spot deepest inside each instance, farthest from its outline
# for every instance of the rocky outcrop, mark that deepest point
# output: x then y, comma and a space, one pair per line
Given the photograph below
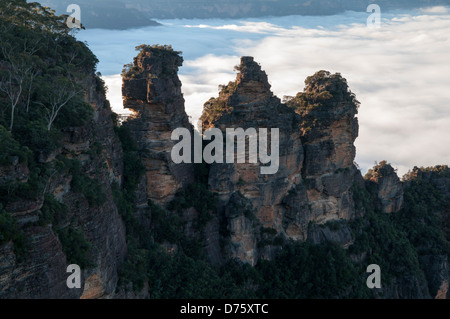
316, 153
383, 181
16, 172
249, 103
336, 231
328, 128
152, 90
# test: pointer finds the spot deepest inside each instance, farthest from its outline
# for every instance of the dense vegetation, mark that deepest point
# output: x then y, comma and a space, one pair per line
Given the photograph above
43, 72
396, 242
146, 259
9, 231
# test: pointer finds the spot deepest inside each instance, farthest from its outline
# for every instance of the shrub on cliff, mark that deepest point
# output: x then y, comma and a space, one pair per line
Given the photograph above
10, 231
75, 246
323, 91
132, 70
10, 148
214, 108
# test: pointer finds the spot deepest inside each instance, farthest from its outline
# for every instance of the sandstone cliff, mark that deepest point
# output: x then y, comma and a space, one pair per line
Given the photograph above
316, 169
152, 90
125, 227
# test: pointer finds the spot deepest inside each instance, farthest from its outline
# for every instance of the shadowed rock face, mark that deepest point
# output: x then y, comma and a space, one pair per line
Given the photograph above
389, 189
153, 91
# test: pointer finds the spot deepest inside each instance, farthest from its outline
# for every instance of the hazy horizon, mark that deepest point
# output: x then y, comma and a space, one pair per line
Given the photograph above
399, 72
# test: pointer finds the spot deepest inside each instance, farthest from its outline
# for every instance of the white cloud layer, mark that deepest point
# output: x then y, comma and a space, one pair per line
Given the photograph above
400, 72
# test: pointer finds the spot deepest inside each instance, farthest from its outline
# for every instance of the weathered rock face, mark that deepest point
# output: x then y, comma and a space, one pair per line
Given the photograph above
384, 182
15, 172
42, 273
101, 225
329, 128
153, 91
249, 103
316, 169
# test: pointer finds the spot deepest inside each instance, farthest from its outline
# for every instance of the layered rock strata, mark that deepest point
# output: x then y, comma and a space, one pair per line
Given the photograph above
152, 90
316, 170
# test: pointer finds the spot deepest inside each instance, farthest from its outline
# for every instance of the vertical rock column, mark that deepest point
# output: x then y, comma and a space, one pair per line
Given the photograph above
250, 199
152, 89
328, 128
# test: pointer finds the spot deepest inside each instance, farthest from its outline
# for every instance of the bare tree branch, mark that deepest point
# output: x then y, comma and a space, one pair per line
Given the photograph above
12, 84
60, 96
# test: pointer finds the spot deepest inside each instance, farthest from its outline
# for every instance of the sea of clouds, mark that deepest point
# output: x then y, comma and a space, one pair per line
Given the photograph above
399, 72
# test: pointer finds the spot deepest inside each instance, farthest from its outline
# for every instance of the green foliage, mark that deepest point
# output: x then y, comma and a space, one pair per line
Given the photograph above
385, 245
303, 270
213, 109
168, 226
419, 219
75, 246
53, 212
100, 85
269, 237
396, 241
198, 196
268, 231
32, 189
133, 270
183, 277
379, 170
9, 148
35, 135
333, 225
133, 168
364, 201
76, 115
10, 231
40, 56
438, 170
156, 47
81, 183
323, 91
132, 70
